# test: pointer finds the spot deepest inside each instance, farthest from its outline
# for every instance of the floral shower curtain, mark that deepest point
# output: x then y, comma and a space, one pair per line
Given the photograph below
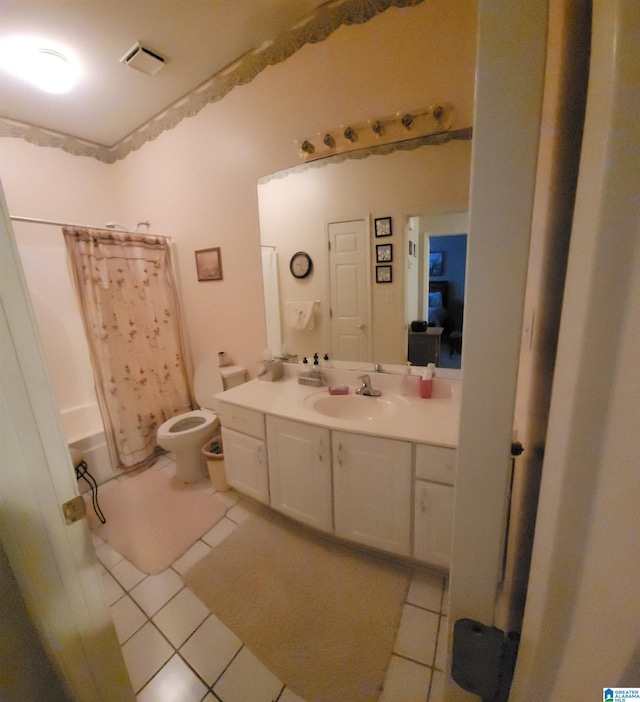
129, 308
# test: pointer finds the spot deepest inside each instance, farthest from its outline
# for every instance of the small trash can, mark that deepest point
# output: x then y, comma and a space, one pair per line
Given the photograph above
215, 463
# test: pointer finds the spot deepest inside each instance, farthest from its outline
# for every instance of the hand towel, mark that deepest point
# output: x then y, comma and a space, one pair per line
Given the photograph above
300, 315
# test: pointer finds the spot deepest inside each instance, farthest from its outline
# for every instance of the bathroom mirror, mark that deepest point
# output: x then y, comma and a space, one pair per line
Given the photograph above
327, 209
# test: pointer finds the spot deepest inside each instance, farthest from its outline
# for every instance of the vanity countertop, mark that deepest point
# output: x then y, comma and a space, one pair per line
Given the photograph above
430, 421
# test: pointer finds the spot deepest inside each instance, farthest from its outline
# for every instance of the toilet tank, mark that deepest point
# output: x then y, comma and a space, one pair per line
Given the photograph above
232, 376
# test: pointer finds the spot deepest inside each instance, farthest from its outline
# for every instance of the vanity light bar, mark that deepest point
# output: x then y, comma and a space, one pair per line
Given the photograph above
385, 130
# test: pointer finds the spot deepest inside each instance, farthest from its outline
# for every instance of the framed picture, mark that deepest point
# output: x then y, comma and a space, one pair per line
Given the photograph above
209, 264
383, 226
384, 253
436, 263
383, 274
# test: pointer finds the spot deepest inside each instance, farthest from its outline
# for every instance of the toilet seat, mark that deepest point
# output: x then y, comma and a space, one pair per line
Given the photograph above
187, 423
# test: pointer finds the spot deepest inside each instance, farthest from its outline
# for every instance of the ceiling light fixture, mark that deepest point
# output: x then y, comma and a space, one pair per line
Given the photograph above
49, 69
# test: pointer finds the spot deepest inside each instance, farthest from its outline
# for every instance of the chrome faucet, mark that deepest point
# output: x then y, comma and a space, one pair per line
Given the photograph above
366, 389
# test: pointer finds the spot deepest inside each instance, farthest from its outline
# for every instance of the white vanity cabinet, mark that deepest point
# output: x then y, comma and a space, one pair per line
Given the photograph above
433, 504
245, 450
300, 471
372, 491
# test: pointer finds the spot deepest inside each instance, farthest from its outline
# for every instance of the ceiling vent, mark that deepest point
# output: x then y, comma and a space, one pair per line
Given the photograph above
143, 59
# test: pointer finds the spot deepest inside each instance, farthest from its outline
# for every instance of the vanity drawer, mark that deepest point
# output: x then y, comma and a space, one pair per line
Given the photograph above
436, 463
241, 419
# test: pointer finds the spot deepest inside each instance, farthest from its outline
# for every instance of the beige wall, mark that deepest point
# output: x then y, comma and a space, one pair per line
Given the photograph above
197, 182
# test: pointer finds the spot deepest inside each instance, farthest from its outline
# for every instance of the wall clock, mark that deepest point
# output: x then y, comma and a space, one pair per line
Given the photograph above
300, 265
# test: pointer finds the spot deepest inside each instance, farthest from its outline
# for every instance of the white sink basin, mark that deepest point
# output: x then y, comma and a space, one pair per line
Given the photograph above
353, 407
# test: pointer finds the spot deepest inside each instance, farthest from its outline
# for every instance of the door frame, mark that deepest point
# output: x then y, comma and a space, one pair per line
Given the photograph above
506, 134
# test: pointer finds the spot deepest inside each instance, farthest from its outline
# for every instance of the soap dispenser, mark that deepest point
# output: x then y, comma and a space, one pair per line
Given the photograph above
426, 382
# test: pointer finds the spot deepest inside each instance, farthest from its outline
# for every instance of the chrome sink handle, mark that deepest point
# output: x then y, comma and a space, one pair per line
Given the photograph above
366, 389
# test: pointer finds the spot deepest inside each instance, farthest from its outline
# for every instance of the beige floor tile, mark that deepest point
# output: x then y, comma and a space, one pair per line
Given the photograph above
144, 654
247, 680
241, 511
191, 557
405, 681
164, 462
210, 649
107, 555
127, 618
127, 574
289, 696
426, 590
445, 600
219, 532
176, 682
180, 617
156, 590
228, 498
436, 693
441, 648
112, 591
417, 634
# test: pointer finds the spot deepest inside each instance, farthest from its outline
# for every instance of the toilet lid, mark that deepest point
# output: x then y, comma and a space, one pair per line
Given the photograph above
207, 382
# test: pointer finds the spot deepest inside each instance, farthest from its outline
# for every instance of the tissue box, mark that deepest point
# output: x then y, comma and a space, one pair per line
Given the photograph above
273, 370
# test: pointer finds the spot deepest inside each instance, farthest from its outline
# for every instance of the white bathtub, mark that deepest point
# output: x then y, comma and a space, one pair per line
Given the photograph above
83, 428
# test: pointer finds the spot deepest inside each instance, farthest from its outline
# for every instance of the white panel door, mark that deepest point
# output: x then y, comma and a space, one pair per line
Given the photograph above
349, 290
245, 460
372, 491
53, 563
300, 471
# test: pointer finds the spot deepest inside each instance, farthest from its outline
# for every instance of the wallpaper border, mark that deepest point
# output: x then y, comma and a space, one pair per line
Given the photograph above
319, 25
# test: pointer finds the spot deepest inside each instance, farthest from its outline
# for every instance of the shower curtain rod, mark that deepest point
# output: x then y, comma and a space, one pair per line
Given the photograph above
32, 220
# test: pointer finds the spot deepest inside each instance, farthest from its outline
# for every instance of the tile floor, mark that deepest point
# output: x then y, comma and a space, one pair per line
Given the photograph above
177, 651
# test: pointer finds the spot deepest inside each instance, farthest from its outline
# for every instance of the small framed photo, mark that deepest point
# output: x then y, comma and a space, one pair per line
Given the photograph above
384, 274
383, 226
209, 264
384, 253
436, 263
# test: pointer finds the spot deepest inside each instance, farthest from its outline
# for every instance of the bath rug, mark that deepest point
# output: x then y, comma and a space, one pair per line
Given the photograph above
321, 616
152, 519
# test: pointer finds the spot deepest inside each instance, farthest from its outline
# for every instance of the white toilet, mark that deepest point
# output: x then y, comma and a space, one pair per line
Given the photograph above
186, 434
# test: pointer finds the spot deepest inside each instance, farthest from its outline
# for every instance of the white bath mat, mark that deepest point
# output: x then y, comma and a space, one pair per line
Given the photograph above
152, 519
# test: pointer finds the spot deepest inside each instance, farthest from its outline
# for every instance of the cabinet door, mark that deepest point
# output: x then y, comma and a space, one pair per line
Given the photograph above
372, 491
300, 471
436, 463
245, 462
433, 523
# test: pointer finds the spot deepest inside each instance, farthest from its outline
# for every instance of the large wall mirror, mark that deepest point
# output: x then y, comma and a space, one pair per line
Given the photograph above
367, 283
